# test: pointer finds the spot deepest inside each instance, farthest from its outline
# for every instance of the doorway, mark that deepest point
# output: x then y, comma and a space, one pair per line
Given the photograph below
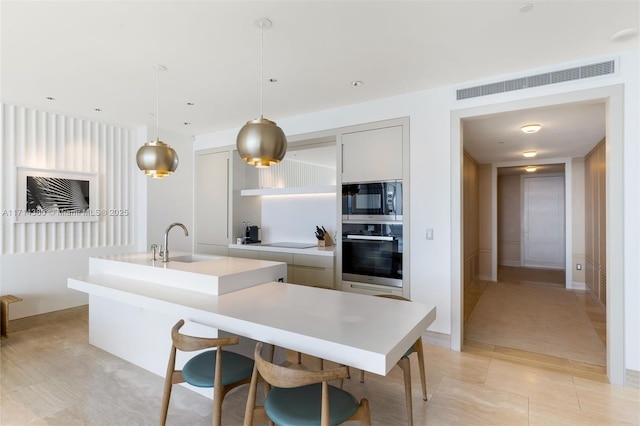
612, 96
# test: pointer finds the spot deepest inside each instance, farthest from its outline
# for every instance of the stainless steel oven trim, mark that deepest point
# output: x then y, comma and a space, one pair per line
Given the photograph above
370, 237
389, 282
373, 219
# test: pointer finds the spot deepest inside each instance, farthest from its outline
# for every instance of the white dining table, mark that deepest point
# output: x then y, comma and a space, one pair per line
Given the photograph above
132, 318
366, 332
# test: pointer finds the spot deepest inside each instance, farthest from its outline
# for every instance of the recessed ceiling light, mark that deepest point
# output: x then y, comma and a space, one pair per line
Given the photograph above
529, 154
624, 35
526, 7
51, 98
97, 109
531, 128
531, 169
190, 103
186, 123
273, 80
357, 83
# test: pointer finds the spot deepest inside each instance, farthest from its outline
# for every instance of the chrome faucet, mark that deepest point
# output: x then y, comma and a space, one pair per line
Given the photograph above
165, 253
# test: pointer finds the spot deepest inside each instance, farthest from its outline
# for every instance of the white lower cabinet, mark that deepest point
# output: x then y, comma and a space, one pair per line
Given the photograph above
304, 269
316, 271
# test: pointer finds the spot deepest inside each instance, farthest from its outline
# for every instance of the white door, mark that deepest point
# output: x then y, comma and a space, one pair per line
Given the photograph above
543, 222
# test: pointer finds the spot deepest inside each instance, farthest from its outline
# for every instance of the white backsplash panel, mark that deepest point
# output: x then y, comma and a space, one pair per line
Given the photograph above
293, 218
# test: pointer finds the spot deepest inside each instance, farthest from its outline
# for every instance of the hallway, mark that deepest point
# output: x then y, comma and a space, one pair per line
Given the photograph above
529, 314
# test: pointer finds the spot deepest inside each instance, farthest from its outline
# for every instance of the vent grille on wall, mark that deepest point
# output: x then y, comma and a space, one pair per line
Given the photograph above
578, 73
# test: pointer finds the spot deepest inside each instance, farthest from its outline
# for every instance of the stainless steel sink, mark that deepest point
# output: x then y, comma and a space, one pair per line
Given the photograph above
191, 258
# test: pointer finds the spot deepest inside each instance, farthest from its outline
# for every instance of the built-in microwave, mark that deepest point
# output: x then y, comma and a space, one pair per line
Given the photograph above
372, 201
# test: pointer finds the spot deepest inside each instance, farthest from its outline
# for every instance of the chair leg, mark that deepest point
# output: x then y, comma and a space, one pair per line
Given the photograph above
405, 364
168, 384
165, 401
421, 366
361, 376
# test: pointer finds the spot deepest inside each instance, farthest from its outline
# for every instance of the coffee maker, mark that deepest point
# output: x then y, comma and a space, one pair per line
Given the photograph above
251, 234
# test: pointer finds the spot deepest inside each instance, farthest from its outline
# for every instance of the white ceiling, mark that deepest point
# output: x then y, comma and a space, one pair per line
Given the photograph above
100, 54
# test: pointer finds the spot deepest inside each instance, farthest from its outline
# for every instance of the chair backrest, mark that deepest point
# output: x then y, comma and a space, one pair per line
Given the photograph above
284, 377
186, 343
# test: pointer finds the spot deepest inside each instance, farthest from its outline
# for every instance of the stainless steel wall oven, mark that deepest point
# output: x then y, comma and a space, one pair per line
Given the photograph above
372, 253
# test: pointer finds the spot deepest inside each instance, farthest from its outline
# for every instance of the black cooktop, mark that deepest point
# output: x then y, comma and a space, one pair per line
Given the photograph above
290, 245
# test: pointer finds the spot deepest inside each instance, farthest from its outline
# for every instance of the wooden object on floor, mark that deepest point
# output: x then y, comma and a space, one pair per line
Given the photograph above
4, 307
302, 397
405, 364
206, 369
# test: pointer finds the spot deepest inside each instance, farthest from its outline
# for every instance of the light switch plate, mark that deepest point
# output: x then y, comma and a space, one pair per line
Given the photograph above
429, 233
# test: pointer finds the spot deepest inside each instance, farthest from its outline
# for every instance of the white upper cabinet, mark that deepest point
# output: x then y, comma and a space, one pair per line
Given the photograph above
372, 155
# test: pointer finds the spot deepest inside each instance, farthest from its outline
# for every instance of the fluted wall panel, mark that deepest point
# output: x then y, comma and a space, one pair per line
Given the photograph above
295, 174
50, 141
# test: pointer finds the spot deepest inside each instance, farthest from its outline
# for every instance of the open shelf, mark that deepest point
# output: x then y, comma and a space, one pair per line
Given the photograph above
329, 189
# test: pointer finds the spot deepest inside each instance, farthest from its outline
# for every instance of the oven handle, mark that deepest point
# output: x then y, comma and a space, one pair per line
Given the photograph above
369, 237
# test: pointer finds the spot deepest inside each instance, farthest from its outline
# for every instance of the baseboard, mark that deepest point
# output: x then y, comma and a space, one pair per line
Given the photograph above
575, 285
47, 318
632, 379
485, 278
437, 339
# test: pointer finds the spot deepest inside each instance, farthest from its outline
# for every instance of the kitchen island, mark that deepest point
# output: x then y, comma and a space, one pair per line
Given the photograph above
132, 318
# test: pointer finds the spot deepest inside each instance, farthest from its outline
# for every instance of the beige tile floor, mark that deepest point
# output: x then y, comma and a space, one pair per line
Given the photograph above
50, 375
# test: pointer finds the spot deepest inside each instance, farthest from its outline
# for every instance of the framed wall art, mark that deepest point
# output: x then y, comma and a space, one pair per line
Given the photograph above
55, 196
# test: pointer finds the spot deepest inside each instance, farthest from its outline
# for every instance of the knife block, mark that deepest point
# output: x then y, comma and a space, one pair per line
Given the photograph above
327, 242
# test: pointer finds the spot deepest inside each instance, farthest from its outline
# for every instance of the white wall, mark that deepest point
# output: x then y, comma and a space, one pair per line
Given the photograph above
293, 218
431, 176
37, 258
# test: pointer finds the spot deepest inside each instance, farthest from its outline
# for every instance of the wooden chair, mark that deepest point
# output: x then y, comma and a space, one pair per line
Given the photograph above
405, 364
295, 397
206, 369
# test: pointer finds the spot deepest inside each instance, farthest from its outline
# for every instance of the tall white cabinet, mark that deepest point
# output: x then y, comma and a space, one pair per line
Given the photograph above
212, 210
374, 152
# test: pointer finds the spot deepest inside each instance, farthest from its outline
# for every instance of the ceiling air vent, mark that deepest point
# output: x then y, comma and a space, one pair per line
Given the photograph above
569, 74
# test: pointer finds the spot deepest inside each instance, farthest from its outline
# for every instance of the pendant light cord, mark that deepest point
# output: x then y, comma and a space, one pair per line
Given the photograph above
261, 67
158, 103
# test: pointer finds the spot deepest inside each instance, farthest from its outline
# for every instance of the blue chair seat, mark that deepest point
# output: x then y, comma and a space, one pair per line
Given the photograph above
200, 370
301, 406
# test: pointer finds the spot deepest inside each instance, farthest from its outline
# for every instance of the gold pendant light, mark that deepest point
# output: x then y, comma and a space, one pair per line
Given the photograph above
157, 159
260, 142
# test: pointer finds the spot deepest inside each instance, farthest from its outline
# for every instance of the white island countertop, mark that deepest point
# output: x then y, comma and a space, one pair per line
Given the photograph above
208, 274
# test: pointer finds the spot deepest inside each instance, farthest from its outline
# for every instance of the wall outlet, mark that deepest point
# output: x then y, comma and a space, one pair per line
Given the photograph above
579, 266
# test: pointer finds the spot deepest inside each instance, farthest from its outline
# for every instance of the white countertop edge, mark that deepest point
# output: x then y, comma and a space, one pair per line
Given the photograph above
313, 251
193, 307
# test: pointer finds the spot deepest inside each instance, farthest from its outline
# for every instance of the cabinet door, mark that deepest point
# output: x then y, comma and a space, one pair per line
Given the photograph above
212, 202
316, 271
372, 155
245, 254
280, 257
